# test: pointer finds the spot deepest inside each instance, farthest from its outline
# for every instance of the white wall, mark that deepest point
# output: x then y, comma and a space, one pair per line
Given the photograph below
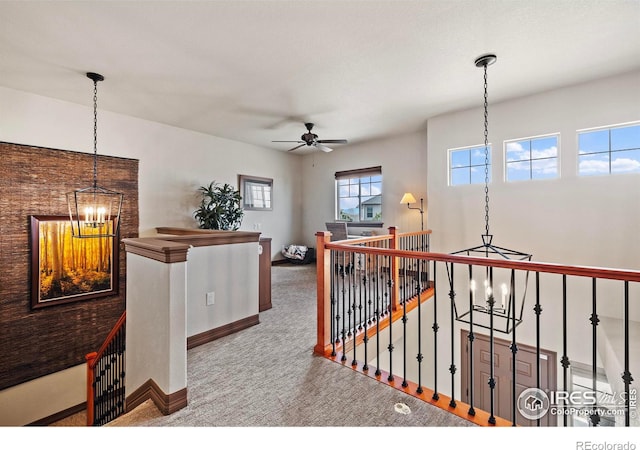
156, 324
173, 162
573, 220
404, 169
23, 404
231, 273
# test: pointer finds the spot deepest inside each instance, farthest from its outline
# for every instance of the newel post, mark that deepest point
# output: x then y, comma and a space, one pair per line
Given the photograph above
90, 358
323, 280
395, 263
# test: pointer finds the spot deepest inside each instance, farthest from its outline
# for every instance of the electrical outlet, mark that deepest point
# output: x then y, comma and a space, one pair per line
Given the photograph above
211, 298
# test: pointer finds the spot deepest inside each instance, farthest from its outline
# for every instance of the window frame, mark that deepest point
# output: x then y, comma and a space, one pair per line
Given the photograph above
531, 159
362, 209
469, 148
609, 152
251, 203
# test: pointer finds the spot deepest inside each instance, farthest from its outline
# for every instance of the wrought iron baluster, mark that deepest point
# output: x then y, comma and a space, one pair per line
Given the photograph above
452, 367
435, 327
626, 375
360, 259
378, 307
492, 381
352, 288
565, 359
594, 417
404, 341
514, 349
538, 311
390, 312
373, 275
421, 263
339, 295
345, 285
471, 338
367, 295
334, 288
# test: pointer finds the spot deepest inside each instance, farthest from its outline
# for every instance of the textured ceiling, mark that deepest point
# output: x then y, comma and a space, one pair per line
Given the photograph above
255, 71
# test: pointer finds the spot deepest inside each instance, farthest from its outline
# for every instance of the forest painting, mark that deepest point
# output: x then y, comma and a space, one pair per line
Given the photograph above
66, 269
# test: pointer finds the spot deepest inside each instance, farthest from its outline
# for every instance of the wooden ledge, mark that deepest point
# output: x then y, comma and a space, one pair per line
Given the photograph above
173, 244
201, 238
158, 249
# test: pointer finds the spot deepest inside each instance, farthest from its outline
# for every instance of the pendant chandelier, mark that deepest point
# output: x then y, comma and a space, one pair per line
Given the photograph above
94, 211
494, 294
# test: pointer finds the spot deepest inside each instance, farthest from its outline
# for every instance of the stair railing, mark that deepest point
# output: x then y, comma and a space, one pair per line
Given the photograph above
356, 303
105, 377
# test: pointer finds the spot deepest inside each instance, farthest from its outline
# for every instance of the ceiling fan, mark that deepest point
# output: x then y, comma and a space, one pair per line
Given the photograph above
311, 139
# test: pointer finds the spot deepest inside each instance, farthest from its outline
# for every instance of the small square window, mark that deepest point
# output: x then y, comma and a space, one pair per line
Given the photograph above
609, 150
531, 158
467, 165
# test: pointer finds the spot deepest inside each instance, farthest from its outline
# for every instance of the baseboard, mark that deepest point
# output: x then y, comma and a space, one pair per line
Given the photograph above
279, 262
166, 403
59, 415
225, 330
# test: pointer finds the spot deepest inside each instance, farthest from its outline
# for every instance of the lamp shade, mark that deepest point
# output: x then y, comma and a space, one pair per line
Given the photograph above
408, 198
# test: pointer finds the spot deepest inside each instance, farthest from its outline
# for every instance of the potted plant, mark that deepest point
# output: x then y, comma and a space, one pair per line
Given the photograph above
219, 207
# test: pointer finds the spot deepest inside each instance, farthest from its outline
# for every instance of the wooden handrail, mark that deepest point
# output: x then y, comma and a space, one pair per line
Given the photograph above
414, 233
382, 237
542, 267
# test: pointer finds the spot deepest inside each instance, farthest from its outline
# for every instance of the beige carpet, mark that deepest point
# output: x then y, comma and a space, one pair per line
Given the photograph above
267, 376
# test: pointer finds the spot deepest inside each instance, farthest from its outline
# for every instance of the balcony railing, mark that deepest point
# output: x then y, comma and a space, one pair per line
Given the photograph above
392, 310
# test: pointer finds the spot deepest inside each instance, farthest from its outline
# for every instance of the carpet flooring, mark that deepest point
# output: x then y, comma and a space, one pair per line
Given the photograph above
268, 376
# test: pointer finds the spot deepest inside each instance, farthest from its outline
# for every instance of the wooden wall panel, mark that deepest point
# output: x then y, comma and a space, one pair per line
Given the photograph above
33, 181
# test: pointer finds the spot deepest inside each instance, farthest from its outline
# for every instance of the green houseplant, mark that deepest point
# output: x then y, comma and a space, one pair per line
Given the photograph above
219, 207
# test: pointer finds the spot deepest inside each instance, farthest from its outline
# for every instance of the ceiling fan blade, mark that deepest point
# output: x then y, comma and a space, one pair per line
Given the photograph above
300, 142
333, 141
324, 148
295, 148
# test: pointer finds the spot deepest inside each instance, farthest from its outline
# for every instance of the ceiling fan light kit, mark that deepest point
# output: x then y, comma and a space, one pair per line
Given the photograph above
311, 140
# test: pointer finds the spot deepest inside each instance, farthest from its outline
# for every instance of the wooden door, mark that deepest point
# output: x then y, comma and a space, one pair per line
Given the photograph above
525, 376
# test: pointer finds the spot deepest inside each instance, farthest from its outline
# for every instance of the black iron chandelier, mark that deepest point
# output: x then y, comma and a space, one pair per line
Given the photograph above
94, 211
493, 294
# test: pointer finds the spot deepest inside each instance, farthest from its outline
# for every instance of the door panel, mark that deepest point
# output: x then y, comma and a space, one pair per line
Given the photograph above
502, 369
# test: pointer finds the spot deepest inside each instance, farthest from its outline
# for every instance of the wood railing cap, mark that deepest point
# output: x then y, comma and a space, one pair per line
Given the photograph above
158, 249
198, 237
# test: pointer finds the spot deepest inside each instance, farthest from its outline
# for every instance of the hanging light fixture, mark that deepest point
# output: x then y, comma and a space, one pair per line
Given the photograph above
94, 211
494, 294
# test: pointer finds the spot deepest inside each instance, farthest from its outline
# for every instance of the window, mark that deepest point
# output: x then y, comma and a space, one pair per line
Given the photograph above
609, 150
532, 158
256, 192
359, 195
467, 165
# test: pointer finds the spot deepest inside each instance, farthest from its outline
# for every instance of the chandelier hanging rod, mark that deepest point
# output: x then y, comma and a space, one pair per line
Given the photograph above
96, 77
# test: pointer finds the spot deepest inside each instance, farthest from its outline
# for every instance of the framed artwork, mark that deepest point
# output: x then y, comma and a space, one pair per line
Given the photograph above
65, 269
256, 192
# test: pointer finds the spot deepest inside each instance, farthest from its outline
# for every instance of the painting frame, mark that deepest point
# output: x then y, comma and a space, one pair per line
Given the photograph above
76, 291
248, 185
